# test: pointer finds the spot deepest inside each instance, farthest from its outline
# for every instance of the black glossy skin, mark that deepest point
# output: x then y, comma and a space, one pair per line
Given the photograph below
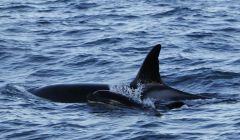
149, 71
71, 93
173, 95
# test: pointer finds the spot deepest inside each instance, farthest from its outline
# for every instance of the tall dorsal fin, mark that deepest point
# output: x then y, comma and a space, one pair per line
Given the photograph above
149, 71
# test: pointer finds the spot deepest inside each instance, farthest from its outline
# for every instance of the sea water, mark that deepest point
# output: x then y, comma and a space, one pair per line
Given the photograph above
44, 42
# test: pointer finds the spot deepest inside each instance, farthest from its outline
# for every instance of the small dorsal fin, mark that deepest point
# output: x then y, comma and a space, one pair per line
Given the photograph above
149, 71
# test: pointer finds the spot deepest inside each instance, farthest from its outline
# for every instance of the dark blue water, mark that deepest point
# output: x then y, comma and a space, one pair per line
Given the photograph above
105, 41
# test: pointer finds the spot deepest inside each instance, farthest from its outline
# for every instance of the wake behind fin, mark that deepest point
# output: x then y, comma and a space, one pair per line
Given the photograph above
149, 71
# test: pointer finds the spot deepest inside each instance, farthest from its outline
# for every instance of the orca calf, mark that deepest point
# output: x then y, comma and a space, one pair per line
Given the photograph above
109, 97
148, 76
112, 98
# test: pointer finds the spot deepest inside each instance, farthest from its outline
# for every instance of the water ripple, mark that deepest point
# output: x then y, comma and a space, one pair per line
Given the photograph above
83, 5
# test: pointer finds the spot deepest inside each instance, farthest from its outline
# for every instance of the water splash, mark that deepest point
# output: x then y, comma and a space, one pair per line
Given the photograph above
133, 94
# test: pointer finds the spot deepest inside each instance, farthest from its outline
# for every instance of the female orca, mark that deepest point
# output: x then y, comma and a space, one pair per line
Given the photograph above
69, 93
148, 76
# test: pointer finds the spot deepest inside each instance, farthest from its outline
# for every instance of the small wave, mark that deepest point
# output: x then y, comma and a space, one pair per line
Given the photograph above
48, 32
80, 32
19, 8
82, 60
2, 41
16, 30
130, 16
120, 16
136, 48
232, 20
211, 101
138, 33
38, 58
176, 11
150, 134
67, 124
219, 74
4, 55
14, 91
75, 32
209, 74
84, 6
48, 2
48, 73
182, 60
237, 124
103, 41
200, 34
22, 134
229, 29
236, 62
43, 22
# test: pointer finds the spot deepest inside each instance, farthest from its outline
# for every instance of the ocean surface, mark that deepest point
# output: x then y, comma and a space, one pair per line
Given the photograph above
45, 42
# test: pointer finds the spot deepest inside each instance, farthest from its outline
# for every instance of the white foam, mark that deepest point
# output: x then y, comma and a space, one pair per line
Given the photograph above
133, 94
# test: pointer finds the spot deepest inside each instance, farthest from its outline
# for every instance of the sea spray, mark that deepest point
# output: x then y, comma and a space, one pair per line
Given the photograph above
133, 94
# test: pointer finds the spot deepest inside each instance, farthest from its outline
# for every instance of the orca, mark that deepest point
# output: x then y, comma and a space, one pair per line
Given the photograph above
69, 93
148, 76
153, 87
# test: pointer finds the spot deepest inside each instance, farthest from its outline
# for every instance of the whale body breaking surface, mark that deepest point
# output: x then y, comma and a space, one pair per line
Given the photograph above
148, 76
